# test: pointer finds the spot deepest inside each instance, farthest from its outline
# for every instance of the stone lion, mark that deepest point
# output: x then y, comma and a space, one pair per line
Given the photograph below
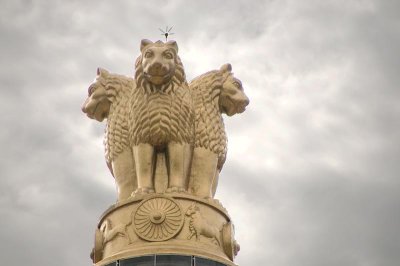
108, 97
214, 93
161, 116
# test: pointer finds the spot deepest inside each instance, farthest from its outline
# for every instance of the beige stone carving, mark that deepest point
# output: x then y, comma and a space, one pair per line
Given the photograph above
150, 230
214, 93
158, 113
161, 116
108, 97
97, 252
200, 226
105, 234
109, 232
158, 219
165, 144
231, 247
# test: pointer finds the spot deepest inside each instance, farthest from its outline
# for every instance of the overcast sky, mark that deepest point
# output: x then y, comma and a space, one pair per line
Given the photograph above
312, 176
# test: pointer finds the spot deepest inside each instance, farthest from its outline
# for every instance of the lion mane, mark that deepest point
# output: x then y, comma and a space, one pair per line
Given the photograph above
116, 135
161, 114
209, 124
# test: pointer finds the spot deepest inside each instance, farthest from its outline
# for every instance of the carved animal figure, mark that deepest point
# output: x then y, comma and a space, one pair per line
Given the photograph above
214, 93
97, 251
161, 116
198, 225
105, 234
108, 97
109, 232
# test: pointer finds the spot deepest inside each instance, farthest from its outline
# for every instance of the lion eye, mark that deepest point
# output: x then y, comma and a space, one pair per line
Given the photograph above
237, 84
91, 90
168, 56
148, 54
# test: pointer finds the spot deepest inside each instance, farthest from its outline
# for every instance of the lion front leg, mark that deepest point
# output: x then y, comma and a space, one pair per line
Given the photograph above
203, 171
124, 174
215, 183
178, 157
144, 156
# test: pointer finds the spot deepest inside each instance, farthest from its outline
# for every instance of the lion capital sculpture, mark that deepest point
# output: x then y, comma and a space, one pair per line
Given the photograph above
157, 121
165, 144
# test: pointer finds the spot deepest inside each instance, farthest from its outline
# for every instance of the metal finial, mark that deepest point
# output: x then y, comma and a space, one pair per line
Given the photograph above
167, 32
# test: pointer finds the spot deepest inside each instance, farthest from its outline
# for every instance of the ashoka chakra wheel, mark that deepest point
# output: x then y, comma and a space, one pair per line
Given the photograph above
158, 219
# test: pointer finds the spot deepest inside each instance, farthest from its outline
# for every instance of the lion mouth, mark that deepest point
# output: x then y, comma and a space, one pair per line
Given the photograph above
241, 109
157, 79
91, 111
97, 114
230, 108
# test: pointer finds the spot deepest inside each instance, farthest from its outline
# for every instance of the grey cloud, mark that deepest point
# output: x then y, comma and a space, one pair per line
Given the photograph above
317, 175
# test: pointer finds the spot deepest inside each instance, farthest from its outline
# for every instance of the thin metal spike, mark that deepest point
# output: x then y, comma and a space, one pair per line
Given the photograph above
167, 32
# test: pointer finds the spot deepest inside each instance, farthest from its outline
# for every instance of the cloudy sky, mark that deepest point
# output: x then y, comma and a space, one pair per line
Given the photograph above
312, 176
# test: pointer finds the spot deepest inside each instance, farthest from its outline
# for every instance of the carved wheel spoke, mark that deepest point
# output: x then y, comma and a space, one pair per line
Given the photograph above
158, 219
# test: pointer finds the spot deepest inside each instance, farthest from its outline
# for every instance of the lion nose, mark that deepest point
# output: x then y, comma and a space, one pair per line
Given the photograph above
83, 108
156, 67
245, 102
242, 103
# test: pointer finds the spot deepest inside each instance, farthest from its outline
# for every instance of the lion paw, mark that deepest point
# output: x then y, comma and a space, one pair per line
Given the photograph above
142, 190
175, 189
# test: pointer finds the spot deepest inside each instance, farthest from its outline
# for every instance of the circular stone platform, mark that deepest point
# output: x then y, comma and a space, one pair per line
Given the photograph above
179, 224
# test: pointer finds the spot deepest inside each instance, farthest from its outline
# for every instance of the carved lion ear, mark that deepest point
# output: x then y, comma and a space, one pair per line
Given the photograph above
173, 44
226, 68
144, 43
102, 72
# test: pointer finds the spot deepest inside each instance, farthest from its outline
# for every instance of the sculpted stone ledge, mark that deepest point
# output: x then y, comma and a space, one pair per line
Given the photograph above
160, 223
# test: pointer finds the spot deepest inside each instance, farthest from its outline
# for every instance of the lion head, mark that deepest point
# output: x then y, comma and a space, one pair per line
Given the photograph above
159, 66
97, 104
232, 99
